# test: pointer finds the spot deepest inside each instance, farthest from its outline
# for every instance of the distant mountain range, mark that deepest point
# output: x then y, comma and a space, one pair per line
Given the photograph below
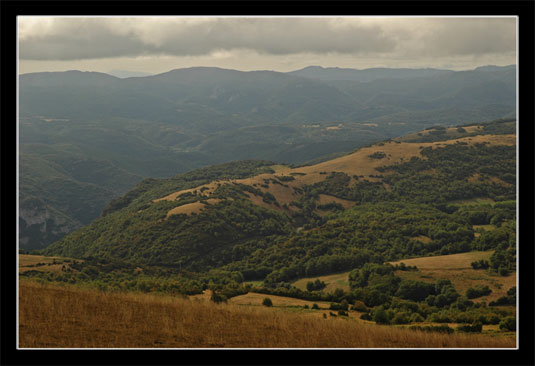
127, 73
366, 75
87, 137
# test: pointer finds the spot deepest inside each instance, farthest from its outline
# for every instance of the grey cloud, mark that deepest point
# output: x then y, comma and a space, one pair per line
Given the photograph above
90, 38
476, 36
98, 38
75, 39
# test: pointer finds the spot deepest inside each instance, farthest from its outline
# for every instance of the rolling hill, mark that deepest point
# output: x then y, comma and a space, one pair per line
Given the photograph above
263, 219
120, 131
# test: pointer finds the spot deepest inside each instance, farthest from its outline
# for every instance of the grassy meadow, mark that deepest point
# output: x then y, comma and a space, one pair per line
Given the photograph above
68, 317
333, 281
43, 263
454, 267
457, 269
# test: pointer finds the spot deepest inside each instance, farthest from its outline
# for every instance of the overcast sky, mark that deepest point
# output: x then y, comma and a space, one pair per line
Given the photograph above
160, 44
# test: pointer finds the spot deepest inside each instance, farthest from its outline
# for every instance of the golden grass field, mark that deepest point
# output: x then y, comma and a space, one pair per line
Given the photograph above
67, 317
30, 262
194, 207
455, 267
450, 132
333, 281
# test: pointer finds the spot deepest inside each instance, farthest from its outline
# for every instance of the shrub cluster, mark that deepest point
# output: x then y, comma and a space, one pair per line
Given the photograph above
476, 327
478, 291
316, 285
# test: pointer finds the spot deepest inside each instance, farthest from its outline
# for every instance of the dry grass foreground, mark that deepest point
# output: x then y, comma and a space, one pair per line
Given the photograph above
66, 317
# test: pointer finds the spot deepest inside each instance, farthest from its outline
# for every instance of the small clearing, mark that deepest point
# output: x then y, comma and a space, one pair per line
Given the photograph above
325, 198
190, 208
422, 239
484, 227
41, 263
334, 281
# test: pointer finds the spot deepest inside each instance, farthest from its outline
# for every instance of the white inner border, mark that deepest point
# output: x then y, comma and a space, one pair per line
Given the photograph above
271, 16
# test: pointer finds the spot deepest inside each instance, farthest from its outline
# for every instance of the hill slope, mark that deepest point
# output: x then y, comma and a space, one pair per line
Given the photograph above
160, 125
262, 219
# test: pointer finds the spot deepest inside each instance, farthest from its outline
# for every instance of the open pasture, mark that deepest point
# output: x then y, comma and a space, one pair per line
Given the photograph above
30, 262
333, 281
457, 268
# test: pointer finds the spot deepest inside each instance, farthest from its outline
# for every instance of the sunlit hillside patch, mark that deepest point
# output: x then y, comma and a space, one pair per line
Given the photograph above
194, 207
457, 268
475, 201
484, 227
448, 132
356, 164
422, 238
325, 198
41, 263
204, 190
476, 177
333, 282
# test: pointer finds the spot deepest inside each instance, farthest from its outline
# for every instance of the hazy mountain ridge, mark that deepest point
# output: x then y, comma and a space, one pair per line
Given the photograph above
248, 93
365, 75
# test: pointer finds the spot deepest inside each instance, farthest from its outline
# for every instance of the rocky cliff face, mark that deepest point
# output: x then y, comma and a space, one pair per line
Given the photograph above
40, 225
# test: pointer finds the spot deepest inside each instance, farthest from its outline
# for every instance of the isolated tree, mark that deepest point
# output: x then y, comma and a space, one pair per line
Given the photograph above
380, 316
218, 298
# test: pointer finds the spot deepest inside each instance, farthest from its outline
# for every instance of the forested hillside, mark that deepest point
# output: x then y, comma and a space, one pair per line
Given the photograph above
261, 219
91, 137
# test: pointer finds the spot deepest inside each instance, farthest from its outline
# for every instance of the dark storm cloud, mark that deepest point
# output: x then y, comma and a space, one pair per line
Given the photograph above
89, 38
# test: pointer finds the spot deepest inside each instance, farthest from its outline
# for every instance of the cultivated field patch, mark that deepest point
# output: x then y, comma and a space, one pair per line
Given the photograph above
333, 281
457, 268
41, 263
